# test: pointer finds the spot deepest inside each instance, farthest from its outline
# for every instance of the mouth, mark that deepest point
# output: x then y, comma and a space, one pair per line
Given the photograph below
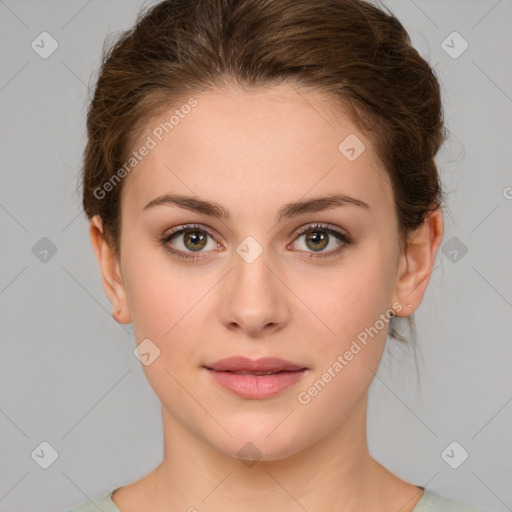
255, 380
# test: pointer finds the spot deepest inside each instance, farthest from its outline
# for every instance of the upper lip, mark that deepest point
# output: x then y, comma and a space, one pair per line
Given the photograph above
244, 364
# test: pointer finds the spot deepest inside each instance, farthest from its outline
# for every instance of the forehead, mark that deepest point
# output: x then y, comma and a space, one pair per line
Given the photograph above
247, 148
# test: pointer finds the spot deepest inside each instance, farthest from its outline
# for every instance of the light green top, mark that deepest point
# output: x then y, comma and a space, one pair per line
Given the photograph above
429, 502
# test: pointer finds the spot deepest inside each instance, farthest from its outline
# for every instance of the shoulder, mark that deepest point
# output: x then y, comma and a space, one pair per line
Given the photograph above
431, 501
105, 504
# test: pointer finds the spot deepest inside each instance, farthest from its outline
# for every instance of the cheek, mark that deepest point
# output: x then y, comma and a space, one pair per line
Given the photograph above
166, 309
351, 305
156, 287
170, 304
163, 302
347, 353
349, 297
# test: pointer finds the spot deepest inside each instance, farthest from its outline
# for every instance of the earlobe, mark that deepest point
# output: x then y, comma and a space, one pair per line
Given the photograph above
417, 263
110, 271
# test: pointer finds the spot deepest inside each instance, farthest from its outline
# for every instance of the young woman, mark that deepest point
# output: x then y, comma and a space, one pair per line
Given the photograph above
263, 201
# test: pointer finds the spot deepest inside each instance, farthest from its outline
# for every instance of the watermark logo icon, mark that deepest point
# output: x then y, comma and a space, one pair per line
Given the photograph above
44, 250
454, 455
44, 45
249, 249
249, 454
454, 45
45, 455
454, 249
351, 147
146, 352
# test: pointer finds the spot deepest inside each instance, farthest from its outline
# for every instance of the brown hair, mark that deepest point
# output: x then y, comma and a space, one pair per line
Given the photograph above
356, 53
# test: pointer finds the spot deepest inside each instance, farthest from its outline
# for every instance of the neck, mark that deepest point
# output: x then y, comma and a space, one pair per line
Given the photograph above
334, 473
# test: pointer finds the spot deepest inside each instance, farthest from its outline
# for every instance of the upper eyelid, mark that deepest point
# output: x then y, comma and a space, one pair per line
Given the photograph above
318, 225
189, 227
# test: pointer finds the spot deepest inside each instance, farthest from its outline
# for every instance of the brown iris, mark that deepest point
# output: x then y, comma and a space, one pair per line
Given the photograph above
195, 238
319, 239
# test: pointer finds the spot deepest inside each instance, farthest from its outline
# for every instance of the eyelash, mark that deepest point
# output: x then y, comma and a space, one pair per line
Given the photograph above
344, 239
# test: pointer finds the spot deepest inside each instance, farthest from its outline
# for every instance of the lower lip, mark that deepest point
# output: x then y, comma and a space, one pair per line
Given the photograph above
256, 386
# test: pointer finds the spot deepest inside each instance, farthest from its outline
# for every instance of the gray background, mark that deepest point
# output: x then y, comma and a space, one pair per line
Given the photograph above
67, 372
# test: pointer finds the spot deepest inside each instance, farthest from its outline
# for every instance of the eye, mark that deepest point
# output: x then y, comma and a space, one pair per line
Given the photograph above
320, 236
194, 239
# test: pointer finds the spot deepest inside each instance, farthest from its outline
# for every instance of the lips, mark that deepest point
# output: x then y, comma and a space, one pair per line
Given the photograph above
263, 366
255, 380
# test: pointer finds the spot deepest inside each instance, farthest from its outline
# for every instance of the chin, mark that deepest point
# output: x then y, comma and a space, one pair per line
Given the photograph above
256, 445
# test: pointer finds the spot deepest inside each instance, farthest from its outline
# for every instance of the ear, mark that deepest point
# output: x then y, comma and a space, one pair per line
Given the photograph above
110, 271
417, 262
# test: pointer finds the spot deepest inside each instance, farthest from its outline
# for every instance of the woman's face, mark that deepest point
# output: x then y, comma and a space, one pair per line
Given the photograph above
254, 286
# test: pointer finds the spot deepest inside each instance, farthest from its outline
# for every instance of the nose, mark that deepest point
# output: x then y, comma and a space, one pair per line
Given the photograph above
253, 297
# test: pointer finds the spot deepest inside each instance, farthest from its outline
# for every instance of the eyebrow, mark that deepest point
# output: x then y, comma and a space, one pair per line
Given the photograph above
289, 210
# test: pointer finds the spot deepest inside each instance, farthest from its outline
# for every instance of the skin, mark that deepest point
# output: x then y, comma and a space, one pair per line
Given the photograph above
252, 152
